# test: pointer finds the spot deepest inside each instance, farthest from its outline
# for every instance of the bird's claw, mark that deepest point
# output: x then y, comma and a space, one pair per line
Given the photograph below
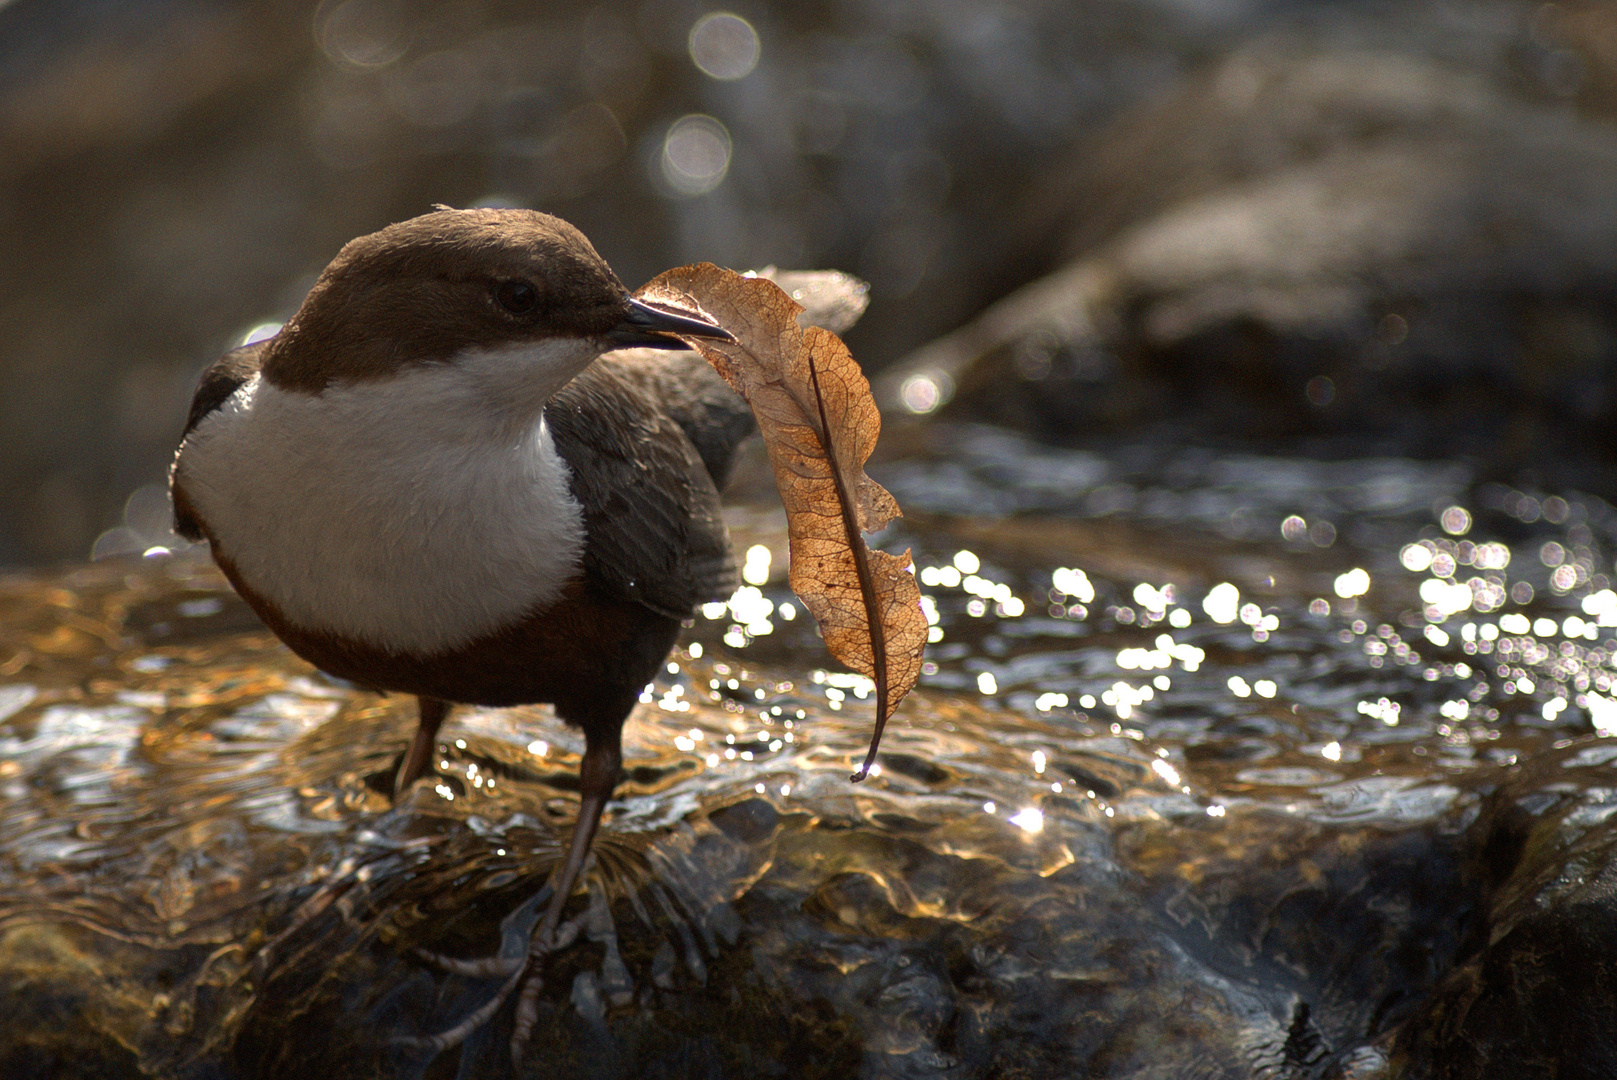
487, 968
521, 972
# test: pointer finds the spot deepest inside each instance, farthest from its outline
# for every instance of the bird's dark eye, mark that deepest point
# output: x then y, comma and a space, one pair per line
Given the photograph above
517, 297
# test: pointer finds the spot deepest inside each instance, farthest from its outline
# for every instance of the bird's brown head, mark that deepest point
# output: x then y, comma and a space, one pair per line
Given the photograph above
435, 287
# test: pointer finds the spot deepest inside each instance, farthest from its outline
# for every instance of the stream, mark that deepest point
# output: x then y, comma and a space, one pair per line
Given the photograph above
1221, 766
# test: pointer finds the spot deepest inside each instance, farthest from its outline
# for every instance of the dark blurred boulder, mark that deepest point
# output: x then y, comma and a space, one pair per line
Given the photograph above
1342, 251
173, 172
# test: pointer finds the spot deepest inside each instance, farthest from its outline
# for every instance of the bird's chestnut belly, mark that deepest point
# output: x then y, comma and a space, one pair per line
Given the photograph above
586, 653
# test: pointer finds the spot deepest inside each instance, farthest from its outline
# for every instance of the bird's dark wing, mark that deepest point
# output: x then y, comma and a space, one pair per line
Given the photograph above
651, 508
713, 416
223, 378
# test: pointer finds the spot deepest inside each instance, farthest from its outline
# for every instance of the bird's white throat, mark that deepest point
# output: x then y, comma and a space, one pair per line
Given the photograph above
415, 513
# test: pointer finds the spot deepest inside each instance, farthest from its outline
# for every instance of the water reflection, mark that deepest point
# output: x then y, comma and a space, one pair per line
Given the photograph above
1114, 719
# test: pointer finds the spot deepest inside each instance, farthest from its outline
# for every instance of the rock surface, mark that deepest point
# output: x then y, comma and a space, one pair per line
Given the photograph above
1340, 251
1158, 809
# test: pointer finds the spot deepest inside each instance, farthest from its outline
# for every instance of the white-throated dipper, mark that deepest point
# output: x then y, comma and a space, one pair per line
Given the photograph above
428, 482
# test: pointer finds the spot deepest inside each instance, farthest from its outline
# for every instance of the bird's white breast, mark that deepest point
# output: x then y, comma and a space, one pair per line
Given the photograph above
404, 513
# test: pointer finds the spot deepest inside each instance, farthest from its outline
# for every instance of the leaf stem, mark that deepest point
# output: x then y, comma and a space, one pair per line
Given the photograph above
861, 562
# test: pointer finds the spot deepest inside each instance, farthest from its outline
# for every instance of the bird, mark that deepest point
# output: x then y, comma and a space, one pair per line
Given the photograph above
473, 468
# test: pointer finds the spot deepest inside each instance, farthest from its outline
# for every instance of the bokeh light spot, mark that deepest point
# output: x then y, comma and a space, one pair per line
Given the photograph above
926, 392
696, 154
363, 34
724, 46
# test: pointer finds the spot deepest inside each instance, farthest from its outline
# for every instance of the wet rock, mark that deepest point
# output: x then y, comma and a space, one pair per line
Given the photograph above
1336, 250
1536, 988
1135, 825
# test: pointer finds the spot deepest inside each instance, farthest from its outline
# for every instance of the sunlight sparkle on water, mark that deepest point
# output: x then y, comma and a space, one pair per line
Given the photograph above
751, 608
1073, 583
1223, 603
1029, 820
1136, 659
1384, 709
1416, 557
1156, 601
1355, 582
1447, 598
1124, 699
755, 570
1602, 605
1602, 713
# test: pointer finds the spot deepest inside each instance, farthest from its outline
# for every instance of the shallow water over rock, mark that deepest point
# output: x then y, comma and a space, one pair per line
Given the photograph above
1167, 804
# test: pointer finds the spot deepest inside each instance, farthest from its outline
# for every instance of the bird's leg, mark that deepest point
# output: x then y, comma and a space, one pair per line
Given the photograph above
432, 712
597, 775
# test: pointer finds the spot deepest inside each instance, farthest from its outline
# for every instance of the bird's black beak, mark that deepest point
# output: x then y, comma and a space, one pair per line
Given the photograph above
646, 327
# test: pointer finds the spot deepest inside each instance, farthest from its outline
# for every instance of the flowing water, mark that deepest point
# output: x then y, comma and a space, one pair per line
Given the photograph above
1202, 780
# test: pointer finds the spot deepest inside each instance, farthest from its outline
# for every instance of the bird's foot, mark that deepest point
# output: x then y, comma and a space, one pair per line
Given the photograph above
522, 973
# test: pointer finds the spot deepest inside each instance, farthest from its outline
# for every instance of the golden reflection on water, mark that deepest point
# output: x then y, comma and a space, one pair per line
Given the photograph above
170, 775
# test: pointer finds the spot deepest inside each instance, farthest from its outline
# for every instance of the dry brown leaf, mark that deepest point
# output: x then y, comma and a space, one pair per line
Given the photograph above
820, 424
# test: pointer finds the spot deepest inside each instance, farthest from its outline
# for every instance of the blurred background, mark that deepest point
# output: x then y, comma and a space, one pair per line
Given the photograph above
1340, 230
